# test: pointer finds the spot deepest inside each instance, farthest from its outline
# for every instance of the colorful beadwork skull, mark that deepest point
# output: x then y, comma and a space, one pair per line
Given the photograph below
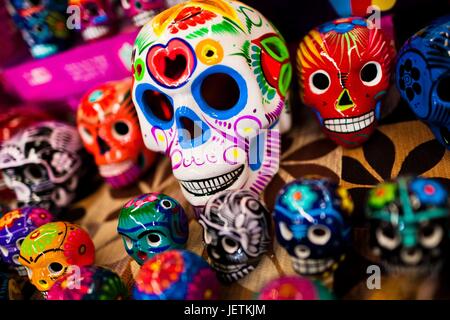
42, 164
176, 275
409, 224
211, 80
12, 121
311, 224
344, 70
98, 18
295, 288
49, 251
14, 227
42, 23
108, 125
236, 233
423, 77
88, 283
152, 223
141, 11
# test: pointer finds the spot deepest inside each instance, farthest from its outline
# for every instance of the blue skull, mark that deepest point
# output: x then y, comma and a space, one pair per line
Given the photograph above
311, 224
423, 77
43, 24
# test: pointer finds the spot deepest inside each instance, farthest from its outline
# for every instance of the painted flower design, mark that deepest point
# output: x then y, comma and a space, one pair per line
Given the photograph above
299, 198
39, 217
382, 195
71, 287
8, 219
39, 242
159, 273
347, 202
429, 192
203, 286
76, 248
112, 288
410, 80
62, 162
190, 17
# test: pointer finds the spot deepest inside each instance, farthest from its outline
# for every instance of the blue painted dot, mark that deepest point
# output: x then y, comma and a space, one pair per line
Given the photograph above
360, 22
344, 27
327, 27
95, 96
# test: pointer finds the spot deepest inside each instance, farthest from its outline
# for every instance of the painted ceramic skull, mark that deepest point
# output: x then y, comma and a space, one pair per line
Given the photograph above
236, 233
176, 275
344, 70
89, 283
49, 251
42, 164
423, 77
152, 223
14, 227
98, 18
295, 288
311, 224
141, 11
409, 224
108, 125
211, 80
12, 121
42, 23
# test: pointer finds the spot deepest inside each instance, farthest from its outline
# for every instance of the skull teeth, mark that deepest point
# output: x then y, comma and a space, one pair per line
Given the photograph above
95, 32
213, 185
235, 276
143, 17
115, 169
311, 266
347, 125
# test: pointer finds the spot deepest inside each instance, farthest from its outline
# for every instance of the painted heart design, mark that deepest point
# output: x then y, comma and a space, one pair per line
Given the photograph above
173, 64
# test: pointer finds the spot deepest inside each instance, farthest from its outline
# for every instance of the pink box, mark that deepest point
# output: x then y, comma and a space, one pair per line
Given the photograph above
65, 77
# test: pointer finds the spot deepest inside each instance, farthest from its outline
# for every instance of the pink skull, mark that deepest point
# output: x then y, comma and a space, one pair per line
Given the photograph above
142, 11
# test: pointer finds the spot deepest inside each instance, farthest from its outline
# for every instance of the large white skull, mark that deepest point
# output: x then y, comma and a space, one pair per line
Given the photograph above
211, 81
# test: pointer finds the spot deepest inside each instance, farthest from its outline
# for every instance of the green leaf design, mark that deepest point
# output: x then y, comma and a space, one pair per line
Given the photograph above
143, 41
198, 33
245, 52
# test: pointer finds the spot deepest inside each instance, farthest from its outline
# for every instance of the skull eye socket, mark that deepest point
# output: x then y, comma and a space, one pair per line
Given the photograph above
319, 234
229, 245
92, 9
86, 135
157, 107
153, 240
387, 236
431, 235
120, 130
34, 172
371, 73
220, 91
443, 91
285, 232
319, 81
55, 267
166, 204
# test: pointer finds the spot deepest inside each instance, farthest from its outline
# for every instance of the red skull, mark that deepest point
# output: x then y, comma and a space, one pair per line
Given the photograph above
109, 128
345, 69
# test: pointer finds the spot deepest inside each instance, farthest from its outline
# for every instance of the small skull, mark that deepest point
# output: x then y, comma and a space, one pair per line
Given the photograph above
409, 224
311, 224
109, 128
14, 227
42, 164
98, 18
152, 223
423, 77
49, 251
236, 233
344, 70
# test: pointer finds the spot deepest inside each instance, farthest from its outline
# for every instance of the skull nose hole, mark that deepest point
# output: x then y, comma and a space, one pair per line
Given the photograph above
345, 99
104, 147
175, 67
443, 89
190, 129
158, 105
